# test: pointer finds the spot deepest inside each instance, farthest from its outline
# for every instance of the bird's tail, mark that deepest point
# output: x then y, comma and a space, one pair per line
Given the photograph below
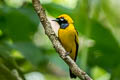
71, 74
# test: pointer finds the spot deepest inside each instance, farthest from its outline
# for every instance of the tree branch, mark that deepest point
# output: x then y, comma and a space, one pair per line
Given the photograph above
57, 45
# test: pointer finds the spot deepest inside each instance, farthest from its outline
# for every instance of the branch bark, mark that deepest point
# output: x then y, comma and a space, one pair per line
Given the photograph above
57, 45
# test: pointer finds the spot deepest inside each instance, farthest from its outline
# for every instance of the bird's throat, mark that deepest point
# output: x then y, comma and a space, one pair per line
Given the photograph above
64, 25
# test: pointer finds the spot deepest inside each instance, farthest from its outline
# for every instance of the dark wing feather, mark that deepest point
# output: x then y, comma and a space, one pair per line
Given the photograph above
77, 46
76, 53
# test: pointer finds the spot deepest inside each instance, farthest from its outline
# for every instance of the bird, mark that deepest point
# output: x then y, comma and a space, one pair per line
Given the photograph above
68, 37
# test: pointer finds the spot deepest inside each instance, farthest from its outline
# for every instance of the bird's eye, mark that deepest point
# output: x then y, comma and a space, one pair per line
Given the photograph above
61, 19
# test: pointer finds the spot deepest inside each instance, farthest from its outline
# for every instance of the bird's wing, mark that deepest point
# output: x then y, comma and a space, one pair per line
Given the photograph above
77, 44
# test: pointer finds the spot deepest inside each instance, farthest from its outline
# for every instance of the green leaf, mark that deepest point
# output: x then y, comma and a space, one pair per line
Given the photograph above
106, 51
16, 24
32, 53
56, 10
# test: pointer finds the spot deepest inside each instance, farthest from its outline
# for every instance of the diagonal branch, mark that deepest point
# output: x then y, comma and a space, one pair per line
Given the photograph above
57, 45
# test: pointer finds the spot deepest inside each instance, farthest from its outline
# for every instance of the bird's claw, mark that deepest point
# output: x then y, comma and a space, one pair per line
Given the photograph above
67, 53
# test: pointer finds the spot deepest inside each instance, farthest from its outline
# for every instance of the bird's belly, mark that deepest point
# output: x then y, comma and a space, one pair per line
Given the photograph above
67, 39
66, 44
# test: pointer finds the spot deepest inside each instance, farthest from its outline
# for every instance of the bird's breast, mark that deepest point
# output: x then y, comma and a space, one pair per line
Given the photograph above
66, 37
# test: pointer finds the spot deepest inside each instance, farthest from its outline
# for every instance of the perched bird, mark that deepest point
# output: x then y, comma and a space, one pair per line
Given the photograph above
68, 37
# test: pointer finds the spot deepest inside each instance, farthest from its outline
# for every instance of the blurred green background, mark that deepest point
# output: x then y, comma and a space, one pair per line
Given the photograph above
25, 47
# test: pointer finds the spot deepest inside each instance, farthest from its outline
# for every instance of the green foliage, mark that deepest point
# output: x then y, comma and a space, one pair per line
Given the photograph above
95, 20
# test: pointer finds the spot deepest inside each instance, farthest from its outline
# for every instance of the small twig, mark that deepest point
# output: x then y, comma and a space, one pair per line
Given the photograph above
57, 45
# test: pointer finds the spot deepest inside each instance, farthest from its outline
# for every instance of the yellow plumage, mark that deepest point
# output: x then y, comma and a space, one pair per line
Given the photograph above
68, 36
68, 18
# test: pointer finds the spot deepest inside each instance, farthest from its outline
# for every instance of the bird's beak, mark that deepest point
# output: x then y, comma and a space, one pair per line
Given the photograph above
57, 19
54, 20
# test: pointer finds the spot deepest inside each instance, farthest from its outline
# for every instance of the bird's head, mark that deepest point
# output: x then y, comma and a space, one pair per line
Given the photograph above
64, 20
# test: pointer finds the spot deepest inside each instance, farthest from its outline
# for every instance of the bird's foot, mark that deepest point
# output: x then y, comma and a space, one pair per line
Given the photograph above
67, 53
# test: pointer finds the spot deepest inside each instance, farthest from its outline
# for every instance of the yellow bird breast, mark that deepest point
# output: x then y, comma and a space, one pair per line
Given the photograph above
67, 38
